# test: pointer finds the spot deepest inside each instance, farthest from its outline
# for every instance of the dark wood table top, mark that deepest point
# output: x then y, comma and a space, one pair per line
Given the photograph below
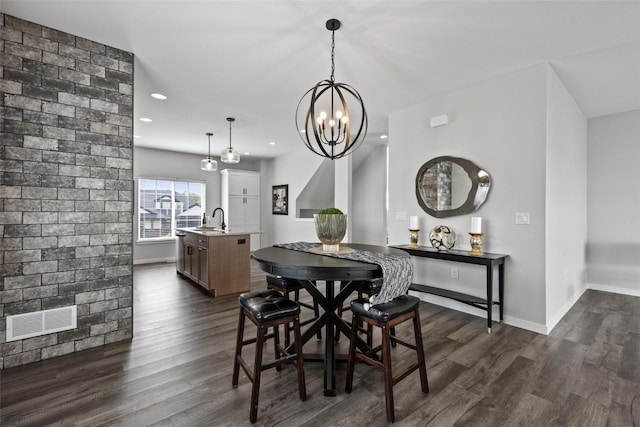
309, 266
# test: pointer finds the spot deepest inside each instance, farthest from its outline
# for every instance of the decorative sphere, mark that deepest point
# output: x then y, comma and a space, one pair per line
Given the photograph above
442, 238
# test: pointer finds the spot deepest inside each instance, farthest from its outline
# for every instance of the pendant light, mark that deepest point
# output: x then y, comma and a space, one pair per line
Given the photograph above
209, 164
229, 155
328, 126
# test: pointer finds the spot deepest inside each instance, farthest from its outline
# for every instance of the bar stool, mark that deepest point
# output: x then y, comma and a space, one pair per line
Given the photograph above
267, 309
286, 286
387, 316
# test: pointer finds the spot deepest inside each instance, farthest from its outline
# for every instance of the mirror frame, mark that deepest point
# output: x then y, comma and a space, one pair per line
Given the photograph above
480, 185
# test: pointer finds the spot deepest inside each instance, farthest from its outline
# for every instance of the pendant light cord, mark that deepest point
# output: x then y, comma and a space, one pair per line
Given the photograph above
333, 47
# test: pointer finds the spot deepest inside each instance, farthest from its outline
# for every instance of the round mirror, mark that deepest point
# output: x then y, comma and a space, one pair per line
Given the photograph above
449, 186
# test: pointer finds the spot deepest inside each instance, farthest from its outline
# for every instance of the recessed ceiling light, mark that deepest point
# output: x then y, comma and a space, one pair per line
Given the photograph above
384, 136
137, 136
273, 143
158, 96
145, 119
246, 153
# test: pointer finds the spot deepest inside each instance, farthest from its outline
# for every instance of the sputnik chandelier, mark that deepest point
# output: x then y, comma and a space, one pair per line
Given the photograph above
335, 121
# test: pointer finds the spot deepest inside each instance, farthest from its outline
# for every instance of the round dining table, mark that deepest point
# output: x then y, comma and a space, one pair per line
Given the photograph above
309, 268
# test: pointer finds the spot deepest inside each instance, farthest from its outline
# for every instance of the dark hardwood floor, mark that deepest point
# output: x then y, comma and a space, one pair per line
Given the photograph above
177, 371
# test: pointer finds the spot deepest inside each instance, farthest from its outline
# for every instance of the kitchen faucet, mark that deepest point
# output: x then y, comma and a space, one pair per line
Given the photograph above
222, 225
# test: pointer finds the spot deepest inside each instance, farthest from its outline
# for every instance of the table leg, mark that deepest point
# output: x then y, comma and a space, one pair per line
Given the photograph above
329, 347
489, 296
311, 331
330, 321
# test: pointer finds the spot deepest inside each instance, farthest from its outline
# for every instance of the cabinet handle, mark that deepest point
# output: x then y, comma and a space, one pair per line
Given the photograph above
244, 200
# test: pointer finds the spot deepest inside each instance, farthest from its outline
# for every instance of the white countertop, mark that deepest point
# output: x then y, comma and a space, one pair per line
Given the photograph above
217, 231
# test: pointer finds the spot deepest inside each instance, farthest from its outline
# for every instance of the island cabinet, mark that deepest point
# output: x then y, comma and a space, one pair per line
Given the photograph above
217, 262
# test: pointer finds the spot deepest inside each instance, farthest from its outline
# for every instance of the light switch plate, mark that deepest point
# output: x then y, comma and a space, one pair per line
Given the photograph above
523, 218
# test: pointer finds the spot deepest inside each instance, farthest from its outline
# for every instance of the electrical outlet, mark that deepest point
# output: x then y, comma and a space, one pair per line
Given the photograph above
523, 218
454, 273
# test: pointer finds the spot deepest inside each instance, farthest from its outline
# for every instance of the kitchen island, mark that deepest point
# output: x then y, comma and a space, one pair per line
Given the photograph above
214, 259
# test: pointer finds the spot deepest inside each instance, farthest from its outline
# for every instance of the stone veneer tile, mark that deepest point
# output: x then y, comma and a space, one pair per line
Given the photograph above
66, 231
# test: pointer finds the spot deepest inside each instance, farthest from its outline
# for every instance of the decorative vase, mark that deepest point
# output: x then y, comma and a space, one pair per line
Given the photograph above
330, 229
442, 238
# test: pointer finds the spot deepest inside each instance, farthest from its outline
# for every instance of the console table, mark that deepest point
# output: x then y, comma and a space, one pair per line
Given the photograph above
486, 259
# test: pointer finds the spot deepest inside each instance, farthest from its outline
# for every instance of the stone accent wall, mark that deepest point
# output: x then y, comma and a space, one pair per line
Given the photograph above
66, 160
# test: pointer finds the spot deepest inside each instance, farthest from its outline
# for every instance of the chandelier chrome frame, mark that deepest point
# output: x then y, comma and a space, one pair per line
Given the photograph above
209, 164
330, 135
229, 155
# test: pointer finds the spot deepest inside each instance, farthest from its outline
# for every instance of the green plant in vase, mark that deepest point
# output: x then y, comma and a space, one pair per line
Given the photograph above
331, 226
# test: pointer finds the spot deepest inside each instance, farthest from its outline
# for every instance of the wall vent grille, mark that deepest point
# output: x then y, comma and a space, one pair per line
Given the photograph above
27, 325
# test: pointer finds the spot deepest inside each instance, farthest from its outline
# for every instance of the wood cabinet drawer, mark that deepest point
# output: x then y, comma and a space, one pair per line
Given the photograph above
196, 240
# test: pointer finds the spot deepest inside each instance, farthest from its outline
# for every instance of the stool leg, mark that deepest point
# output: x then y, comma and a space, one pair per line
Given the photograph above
388, 376
351, 358
287, 327
302, 388
276, 342
236, 363
316, 312
257, 371
341, 310
420, 350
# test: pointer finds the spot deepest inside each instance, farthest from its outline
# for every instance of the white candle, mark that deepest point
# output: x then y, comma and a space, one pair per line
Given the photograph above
476, 224
413, 223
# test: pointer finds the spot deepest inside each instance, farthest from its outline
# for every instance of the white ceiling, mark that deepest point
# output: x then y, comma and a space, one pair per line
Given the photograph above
253, 60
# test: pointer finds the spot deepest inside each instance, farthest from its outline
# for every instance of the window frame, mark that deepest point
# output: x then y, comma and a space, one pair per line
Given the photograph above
173, 181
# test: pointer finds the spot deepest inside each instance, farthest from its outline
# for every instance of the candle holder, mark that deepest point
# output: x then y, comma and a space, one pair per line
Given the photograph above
476, 244
415, 234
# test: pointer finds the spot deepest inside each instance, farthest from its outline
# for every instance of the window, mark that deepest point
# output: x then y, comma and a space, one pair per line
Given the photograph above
164, 205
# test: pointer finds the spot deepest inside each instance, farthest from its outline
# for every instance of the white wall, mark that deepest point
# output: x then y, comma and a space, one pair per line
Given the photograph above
150, 163
369, 198
500, 125
566, 201
343, 192
613, 247
294, 169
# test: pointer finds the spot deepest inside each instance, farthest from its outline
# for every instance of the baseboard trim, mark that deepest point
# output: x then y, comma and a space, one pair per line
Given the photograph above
538, 328
458, 306
564, 310
520, 323
153, 260
614, 289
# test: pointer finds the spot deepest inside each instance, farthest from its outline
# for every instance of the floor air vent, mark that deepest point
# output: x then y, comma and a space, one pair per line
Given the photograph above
27, 325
